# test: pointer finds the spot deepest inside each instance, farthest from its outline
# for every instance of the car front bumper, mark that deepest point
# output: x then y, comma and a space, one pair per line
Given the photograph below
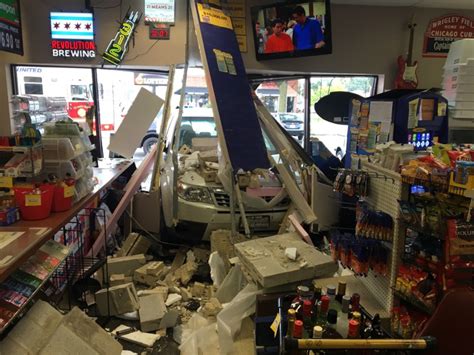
214, 218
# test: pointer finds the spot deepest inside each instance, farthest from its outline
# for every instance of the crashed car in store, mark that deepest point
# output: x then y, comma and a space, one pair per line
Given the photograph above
195, 198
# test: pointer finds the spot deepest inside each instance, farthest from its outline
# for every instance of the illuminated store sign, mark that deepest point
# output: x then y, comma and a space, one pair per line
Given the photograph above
118, 47
10, 27
72, 35
159, 11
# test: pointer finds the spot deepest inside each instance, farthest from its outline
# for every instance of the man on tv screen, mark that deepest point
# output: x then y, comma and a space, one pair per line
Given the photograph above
279, 41
307, 33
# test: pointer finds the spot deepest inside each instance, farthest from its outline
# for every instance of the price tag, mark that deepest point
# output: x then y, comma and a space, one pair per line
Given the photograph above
32, 200
276, 324
69, 191
6, 181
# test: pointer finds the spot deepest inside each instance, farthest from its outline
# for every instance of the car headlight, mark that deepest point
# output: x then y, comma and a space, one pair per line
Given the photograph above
193, 193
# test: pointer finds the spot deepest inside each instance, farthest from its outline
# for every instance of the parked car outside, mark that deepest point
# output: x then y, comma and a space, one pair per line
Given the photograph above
292, 123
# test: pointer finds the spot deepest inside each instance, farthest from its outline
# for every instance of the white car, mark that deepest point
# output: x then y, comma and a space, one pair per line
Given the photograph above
194, 203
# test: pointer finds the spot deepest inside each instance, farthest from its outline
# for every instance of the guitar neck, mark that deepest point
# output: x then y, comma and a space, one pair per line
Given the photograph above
410, 46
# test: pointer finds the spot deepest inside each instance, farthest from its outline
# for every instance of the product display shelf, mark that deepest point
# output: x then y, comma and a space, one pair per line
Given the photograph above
415, 302
25, 161
385, 189
61, 252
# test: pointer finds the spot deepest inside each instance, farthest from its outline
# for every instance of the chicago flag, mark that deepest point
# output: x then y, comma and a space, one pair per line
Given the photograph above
72, 25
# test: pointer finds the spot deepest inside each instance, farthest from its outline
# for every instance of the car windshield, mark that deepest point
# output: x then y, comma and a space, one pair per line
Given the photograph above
288, 117
196, 127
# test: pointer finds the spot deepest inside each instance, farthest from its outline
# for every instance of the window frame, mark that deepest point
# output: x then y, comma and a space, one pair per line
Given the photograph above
256, 79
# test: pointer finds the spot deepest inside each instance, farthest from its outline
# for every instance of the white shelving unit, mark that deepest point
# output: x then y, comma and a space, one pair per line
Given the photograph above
384, 192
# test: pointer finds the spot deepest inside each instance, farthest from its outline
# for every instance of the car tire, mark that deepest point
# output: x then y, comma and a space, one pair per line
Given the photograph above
148, 143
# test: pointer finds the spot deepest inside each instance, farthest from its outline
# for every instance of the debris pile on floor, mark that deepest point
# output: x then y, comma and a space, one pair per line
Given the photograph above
200, 300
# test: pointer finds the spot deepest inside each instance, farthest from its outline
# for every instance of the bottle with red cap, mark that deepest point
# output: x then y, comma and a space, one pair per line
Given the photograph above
323, 310
353, 332
298, 329
307, 309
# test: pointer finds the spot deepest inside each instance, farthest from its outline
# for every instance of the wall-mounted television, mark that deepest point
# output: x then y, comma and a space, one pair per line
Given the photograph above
292, 29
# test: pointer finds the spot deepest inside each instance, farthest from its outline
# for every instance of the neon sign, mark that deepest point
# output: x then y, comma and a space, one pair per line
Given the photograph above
72, 35
118, 47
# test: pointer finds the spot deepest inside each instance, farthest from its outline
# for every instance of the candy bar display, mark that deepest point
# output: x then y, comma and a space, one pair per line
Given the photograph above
359, 254
418, 287
373, 224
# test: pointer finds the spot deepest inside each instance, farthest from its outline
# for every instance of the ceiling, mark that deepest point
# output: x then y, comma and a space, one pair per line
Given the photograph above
445, 4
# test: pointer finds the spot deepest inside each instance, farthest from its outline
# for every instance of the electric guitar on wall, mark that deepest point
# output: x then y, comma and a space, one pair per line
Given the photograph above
407, 77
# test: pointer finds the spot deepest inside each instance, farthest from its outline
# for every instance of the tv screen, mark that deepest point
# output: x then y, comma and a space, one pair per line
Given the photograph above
292, 29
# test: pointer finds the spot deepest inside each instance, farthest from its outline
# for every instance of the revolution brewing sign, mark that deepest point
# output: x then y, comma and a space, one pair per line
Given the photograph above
10, 27
442, 31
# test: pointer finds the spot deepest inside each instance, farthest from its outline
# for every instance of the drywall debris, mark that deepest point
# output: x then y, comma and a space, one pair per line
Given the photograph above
173, 298
169, 320
152, 309
291, 253
211, 308
134, 244
137, 337
122, 299
119, 279
125, 264
198, 289
187, 295
186, 272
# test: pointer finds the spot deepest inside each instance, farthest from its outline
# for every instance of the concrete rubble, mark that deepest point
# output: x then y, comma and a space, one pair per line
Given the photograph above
117, 300
43, 330
135, 336
152, 310
201, 313
125, 265
134, 244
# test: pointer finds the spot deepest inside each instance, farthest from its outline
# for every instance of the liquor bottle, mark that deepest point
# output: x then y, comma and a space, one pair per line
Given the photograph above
307, 322
330, 329
342, 325
355, 302
333, 304
291, 322
323, 310
317, 332
331, 292
298, 329
353, 332
341, 291
302, 293
317, 293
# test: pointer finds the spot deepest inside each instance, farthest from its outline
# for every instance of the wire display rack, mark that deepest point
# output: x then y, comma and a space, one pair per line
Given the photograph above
74, 275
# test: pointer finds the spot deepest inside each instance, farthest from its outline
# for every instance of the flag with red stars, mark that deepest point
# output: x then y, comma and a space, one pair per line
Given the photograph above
72, 26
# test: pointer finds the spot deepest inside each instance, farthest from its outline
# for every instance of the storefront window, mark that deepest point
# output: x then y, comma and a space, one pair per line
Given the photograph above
285, 101
117, 91
334, 136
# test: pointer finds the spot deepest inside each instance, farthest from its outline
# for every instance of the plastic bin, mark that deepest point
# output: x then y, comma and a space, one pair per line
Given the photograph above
61, 129
62, 169
63, 198
34, 207
59, 149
